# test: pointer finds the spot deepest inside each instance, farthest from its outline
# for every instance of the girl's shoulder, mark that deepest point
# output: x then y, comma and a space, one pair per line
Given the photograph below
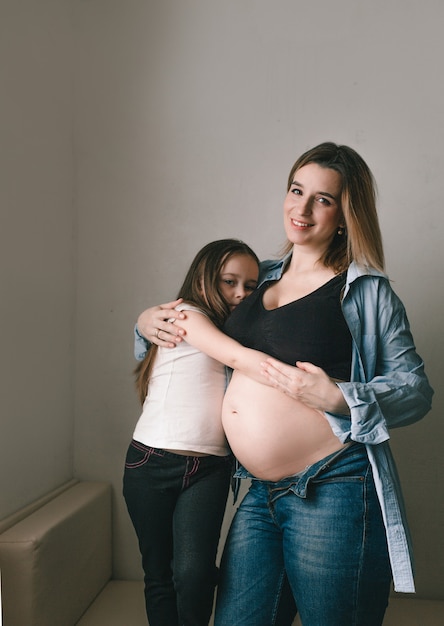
186, 306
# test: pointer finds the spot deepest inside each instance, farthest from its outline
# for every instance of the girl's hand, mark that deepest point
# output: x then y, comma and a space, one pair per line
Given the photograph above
307, 383
153, 324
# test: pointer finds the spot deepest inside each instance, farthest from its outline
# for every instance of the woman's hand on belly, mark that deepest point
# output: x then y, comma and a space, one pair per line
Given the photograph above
307, 383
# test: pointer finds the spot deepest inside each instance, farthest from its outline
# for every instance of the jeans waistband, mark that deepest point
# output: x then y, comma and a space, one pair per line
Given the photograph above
300, 480
161, 452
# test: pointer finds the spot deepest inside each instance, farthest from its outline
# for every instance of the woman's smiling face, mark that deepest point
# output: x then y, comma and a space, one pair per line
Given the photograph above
312, 207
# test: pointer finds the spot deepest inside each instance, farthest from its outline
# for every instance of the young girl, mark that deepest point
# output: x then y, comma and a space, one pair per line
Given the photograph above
178, 466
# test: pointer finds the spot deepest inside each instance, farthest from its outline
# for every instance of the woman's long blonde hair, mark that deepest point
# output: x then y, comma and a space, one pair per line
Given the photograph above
361, 239
200, 288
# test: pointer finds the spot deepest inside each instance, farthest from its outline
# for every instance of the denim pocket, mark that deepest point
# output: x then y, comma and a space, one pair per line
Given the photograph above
138, 455
351, 466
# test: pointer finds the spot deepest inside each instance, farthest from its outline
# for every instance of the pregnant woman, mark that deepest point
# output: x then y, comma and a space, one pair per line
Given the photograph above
324, 509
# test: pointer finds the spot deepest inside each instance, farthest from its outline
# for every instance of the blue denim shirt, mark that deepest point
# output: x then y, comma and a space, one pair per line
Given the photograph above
387, 388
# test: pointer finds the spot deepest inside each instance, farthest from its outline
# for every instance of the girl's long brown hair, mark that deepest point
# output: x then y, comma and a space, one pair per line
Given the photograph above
201, 289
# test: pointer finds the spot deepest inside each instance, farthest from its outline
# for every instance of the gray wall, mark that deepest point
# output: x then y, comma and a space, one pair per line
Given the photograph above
37, 264
136, 132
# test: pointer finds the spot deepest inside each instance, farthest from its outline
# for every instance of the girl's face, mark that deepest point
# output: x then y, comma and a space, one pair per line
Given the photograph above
237, 279
312, 207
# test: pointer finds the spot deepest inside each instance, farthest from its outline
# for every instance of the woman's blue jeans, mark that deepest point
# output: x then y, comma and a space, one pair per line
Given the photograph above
322, 529
177, 504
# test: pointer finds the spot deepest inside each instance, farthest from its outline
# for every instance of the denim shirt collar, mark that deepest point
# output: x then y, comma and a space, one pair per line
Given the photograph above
273, 270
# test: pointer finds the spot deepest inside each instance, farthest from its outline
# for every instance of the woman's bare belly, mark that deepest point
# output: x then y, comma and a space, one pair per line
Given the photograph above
272, 435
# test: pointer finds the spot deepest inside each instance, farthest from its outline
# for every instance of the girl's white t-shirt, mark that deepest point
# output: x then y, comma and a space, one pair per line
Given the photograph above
183, 406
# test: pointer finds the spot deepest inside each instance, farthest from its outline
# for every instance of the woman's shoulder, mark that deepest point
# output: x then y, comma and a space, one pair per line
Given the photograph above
357, 270
370, 290
363, 279
271, 269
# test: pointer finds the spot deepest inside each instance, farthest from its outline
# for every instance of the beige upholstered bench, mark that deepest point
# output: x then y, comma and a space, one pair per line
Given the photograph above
56, 567
55, 556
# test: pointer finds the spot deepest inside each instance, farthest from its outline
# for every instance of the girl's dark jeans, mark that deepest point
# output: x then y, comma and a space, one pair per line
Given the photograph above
177, 504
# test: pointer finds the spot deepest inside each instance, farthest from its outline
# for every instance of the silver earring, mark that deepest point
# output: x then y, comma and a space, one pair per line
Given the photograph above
341, 230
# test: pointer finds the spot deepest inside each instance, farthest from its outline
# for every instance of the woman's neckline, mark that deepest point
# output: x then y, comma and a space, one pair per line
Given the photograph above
269, 283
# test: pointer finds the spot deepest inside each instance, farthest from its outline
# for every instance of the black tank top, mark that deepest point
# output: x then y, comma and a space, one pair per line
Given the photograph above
310, 329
